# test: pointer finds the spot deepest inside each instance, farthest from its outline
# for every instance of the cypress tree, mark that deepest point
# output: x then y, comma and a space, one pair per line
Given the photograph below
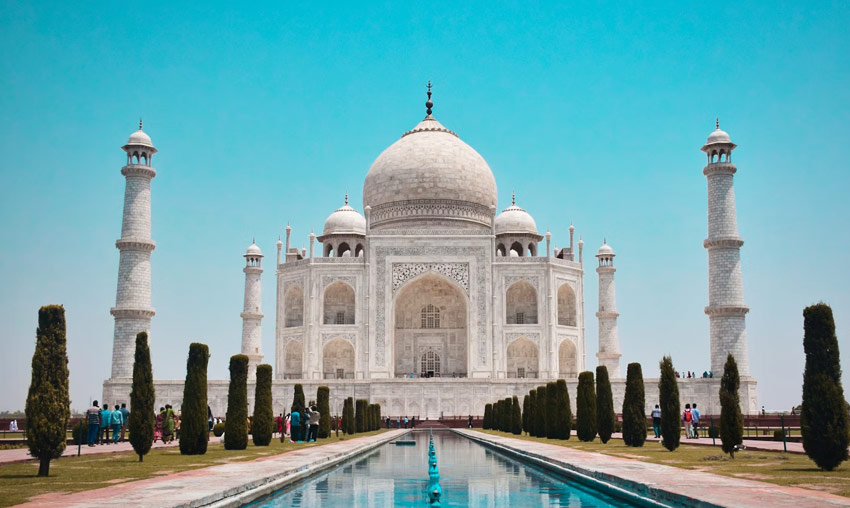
262, 425
48, 406
668, 398
236, 419
488, 417
824, 415
532, 412
564, 421
552, 422
731, 421
507, 415
497, 416
605, 417
142, 398
360, 415
526, 404
194, 425
348, 416
298, 403
586, 407
634, 407
540, 411
516, 417
323, 404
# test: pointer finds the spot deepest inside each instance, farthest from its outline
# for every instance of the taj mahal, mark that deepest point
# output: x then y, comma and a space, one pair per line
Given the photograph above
431, 301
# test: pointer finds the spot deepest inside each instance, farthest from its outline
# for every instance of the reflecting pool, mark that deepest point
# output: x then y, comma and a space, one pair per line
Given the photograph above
470, 475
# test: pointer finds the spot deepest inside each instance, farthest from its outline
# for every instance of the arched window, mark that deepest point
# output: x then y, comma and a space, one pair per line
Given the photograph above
430, 316
329, 250
430, 364
532, 249
500, 250
521, 304
294, 306
517, 250
358, 251
339, 305
343, 250
566, 306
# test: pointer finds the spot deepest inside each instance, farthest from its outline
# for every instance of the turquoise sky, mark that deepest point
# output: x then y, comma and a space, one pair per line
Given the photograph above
593, 113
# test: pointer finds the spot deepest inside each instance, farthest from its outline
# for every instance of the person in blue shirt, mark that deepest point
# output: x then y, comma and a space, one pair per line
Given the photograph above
125, 417
695, 416
656, 421
117, 423
93, 421
105, 422
295, 423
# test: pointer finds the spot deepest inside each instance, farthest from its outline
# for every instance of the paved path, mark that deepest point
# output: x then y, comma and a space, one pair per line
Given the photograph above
209, 486
23, 454
667, 483
749, 444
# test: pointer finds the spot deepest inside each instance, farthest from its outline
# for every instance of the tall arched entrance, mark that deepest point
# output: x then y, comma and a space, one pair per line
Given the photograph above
567, 359
522, 359
430, 329
338, 360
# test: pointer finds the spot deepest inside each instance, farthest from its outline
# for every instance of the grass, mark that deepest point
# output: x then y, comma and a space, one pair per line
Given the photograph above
787, 469
19, 483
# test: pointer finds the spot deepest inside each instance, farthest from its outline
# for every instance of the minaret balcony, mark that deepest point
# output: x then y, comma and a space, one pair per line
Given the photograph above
726, 168
727, 310
135, 244
723, 242
138, 170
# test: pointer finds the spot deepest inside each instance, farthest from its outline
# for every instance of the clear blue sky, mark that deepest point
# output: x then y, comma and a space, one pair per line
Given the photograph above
594, 113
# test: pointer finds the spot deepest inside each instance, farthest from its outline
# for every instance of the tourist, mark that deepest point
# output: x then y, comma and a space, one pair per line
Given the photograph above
398, 422
305, 424
279, 424
468, 425
117, 420
125, 416
105, 421
168, 424
13, 426
656, 421
695, 416
314, 424
295, 419
93, 419
286, 426
687, 419
160, 421
210, 419
405, 422
178, 418
388, 422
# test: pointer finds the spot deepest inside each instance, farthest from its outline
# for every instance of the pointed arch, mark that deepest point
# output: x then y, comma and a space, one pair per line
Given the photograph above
567, 359
292, 360
522, 358
338, 359
567, 308
293, 306
339, 304
521, 304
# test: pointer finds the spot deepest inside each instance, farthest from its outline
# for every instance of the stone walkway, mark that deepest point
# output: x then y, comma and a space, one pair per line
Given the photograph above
666, 483
23, 454
217, 486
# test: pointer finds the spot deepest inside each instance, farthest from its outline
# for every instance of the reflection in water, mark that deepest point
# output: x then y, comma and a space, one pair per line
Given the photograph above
470, 475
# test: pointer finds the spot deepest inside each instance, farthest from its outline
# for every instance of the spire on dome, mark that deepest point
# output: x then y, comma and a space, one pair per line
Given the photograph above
429, 104
346, 198
513, 197
140, 123
716, 122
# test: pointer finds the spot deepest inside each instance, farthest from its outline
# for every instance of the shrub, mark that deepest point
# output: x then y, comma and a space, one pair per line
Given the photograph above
778, 435
298, 399
526, 405
618, 426
487, 424
823, 421
323, 405
563, 413
586, 407
731, 421
634, 416
142, 398
668, 397
348, 425
80, 432
532, 412
236, 419
194, 426
360, 415
507, 415
262, 424
218, 429
605, 417
497, 415
516, 417
540, 411
48, 406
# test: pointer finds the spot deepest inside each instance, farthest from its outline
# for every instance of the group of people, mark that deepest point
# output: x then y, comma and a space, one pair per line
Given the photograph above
167, 425
101, 421
688, 374
399, 421
690, 421
300, 426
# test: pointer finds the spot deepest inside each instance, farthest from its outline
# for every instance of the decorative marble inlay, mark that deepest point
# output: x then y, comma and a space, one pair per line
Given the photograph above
403, 272
327, 280
329, 336
532, 336
531, 279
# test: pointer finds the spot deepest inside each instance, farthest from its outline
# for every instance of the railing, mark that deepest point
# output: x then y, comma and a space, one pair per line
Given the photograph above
333, 375
529, 375
454, 375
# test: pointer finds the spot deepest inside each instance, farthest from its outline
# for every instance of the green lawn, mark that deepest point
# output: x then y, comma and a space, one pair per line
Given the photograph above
19, 483
787, 469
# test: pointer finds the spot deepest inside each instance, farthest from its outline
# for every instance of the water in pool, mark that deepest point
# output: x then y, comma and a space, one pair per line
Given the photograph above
470, 475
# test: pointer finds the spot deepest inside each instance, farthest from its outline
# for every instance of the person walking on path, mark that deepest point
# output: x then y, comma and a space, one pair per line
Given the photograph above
168, 425
287, 427
687, 420
656, 421
93, 419
160, 421
295, 421
117, 423
125, 417
314, 424
105, 422
695, 416
405, 422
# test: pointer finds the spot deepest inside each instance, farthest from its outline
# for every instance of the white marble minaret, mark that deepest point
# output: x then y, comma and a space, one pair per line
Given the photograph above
252, 317
609, 342
726, 310
133, 311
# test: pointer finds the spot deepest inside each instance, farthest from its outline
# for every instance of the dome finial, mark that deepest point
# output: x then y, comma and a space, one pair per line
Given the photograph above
140, 123
604, 241
429, 104
716, 122
513, 197
253, 240
346, 197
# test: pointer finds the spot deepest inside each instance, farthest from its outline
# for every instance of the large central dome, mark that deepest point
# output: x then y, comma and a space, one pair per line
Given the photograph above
430, 177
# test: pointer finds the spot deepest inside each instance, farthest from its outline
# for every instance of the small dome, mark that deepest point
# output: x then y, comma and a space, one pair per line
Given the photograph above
718, 136
253, 250
345, 220
514, 219
605, 250
140, 138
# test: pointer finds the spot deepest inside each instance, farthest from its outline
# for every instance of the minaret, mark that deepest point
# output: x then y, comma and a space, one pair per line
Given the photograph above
609, 342
726, 310
252, 316
133, 311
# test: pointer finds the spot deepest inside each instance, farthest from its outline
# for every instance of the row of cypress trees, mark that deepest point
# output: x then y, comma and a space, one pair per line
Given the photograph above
359, 416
